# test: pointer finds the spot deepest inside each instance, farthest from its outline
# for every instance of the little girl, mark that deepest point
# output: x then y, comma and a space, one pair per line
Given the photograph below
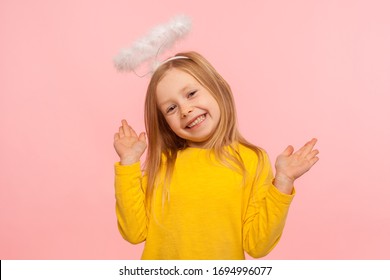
206, 192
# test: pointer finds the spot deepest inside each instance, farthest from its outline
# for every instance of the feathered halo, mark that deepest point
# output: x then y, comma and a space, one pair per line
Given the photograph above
159, 39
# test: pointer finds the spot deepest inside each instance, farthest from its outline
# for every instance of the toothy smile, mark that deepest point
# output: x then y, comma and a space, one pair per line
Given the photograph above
197, 121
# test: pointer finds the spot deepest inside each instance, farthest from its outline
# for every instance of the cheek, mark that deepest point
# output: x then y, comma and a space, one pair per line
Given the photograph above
216, 110
172, 122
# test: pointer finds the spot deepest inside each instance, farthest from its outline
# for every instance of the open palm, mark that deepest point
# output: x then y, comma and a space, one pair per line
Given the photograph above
128, 145
293, 165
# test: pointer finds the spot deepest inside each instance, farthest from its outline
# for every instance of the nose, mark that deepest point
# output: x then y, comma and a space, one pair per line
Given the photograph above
186, 111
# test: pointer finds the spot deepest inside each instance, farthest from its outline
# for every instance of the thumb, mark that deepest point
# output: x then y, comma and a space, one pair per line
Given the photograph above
142, 137
288, 151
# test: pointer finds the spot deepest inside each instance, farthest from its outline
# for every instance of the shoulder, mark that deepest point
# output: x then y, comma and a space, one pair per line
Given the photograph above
254, 158
251, 154
257, 163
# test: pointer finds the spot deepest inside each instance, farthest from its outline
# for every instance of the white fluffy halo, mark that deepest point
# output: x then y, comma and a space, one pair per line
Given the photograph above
155, 42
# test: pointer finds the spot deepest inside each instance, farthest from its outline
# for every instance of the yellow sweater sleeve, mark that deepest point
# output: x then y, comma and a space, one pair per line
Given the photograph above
130, 206
266, 213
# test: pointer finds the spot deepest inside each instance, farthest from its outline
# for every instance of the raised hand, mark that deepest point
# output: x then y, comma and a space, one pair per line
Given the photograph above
128, 145
290, 166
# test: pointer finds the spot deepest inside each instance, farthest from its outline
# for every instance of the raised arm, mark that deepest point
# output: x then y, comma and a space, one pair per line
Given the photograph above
129, 184
271, 198
265, 214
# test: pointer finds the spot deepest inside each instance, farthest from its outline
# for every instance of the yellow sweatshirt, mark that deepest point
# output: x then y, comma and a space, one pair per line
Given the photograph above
210, 213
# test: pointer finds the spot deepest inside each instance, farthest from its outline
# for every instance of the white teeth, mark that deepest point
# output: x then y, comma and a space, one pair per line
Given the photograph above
198, 120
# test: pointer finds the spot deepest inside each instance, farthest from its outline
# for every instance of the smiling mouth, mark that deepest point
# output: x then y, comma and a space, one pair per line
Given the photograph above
198, 120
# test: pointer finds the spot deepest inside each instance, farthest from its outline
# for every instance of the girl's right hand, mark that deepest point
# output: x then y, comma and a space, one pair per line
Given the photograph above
128, 145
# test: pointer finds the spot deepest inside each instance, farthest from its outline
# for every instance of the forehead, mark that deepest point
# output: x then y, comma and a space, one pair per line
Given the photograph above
174, 81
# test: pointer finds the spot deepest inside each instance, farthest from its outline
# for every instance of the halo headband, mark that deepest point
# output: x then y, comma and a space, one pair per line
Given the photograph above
174, 58
159, 39
158, 64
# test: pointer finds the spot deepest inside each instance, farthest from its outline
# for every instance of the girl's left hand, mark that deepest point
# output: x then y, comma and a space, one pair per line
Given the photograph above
290, 166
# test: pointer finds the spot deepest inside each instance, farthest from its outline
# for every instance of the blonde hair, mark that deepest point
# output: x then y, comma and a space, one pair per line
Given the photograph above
164, 144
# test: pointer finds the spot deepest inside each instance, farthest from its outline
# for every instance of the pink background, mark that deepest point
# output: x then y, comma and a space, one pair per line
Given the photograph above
298, 69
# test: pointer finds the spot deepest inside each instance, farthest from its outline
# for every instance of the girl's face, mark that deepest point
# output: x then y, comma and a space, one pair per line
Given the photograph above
189, 109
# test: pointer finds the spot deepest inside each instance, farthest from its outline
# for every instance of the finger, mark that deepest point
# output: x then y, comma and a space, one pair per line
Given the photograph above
124, 122
142, 137
313, 161
132, 132
121, 132
312, 154
288, 151
128, 130
307, 147
116, 136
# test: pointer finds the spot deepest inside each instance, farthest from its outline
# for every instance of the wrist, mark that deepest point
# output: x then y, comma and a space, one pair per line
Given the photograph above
128, 161
284, 183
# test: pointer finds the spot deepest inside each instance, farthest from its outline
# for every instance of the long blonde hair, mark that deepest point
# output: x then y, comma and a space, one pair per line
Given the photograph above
164, 144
